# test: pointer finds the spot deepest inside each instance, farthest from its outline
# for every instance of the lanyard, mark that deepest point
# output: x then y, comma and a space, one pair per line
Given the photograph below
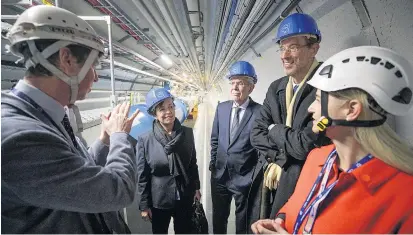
32, 102
36, 106
323, 192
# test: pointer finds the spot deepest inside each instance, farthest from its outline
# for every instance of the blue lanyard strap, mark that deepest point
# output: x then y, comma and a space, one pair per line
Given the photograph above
29, 100
322, 193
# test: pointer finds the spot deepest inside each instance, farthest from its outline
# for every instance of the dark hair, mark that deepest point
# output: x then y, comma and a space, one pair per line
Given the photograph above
79, 52
310, 41
152, 110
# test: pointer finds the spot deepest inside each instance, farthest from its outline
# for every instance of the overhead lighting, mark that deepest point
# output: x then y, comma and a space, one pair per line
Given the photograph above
185, 75
167, 60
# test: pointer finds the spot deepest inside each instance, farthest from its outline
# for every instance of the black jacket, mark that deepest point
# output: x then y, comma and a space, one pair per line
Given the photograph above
156, 186
285, 146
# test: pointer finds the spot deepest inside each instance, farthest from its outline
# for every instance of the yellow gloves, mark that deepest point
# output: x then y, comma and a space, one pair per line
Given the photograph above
272, 176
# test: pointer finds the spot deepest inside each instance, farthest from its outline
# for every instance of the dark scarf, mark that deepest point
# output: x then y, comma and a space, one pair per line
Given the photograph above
171, 143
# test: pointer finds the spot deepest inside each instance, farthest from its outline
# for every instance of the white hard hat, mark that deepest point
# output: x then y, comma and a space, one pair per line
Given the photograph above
49, 22
385, 75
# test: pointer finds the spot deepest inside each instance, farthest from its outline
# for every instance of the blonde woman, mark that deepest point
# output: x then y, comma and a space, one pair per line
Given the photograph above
362, 183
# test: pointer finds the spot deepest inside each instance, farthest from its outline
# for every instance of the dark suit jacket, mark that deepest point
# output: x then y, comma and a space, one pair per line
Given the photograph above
286, 146
239, 157
157, 186
49, 186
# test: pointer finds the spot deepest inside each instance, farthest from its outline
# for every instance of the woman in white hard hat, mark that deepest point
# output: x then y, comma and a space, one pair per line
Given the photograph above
361, 183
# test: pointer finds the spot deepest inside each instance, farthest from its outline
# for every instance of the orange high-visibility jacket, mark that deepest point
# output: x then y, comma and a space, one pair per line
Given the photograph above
374, 198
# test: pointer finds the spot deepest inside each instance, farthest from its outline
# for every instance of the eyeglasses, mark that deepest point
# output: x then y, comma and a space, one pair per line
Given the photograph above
238, 83
292, 48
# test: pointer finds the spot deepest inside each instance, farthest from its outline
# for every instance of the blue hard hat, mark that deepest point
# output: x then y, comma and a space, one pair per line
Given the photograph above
242, 68
155, 96
297, 24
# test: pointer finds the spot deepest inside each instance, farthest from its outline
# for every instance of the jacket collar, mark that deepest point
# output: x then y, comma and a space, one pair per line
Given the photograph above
372, 175
243, 106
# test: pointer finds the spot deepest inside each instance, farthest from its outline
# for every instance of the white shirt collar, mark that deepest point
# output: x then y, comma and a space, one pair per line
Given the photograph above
243, 106
53, 108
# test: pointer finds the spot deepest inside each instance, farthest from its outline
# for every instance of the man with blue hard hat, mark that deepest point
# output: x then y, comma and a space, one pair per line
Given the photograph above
233, 158
282, 131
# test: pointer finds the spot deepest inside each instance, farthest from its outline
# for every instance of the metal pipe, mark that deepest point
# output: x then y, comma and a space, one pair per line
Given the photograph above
133, 82
113, 6
219, 42
125, 66
171, 23
245, 27
247, 43
212, 29
14, 17
186, 23
151, 21
161, 69
9, 17
112, 68
178, 25
57, 3
105, 18
201, 19
241, 26
108, 19
160, 21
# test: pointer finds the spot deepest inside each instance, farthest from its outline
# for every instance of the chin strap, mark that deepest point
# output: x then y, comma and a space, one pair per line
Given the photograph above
73, 81
325, 121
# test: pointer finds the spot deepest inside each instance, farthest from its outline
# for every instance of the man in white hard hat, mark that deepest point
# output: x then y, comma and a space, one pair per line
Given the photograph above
50, 182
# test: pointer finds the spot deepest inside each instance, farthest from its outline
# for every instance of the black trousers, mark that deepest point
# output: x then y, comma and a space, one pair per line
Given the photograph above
222, 194
182, 218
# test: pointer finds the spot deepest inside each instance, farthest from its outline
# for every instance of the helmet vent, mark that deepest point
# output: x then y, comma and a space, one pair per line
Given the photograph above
404, 96
389, 65
327, 70
49, 18
398, 74
346, 61
360, 58
375, 60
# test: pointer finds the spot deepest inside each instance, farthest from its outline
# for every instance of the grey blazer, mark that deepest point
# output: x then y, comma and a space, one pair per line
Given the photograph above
49, 186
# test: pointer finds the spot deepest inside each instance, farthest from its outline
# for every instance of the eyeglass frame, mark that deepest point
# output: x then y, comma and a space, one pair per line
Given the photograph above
240, 83
289, 50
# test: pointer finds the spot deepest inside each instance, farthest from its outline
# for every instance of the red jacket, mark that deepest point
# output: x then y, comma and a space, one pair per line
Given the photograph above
374, 198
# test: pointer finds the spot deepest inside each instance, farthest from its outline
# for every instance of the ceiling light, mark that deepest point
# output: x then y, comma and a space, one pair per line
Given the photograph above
166, 59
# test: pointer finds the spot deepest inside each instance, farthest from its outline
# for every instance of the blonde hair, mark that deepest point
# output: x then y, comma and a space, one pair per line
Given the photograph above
381, 141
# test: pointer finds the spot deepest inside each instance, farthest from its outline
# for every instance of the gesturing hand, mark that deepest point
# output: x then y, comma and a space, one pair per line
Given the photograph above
269, 226
118, 120
147, 215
